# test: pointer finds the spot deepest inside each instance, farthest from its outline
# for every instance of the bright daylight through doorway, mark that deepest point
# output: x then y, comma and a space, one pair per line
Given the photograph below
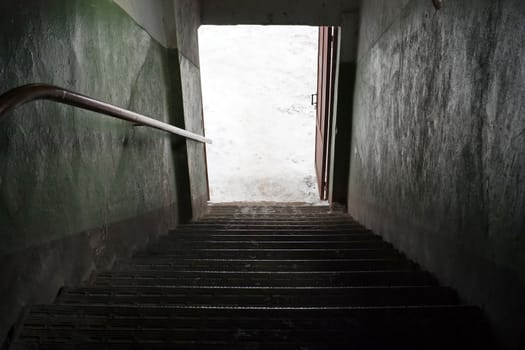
257, 82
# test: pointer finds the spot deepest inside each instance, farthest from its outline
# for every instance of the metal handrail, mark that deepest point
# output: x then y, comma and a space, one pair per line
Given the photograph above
31, 92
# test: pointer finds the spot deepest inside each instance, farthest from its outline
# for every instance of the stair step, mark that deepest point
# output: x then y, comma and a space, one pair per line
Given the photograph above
247, 231
261, 296
272, 212
273, 223
271, 237
167, 244
249, 208
277, 218
429, 327
257, 253
275, 226
260, 278
276, 215
159, 263
314, 220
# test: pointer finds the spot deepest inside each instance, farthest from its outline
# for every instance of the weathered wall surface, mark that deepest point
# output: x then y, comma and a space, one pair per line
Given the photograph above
175, 24
344, 103
156, 17
438, 140
187, 18
297, 12
78, 190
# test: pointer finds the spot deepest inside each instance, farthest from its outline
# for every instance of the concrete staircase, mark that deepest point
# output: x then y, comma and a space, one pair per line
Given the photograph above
260, 277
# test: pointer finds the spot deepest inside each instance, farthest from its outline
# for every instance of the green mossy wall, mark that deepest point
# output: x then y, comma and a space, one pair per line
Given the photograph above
79, 190
64, 170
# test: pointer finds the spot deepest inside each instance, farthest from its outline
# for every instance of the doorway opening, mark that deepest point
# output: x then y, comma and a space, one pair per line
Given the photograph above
257, 87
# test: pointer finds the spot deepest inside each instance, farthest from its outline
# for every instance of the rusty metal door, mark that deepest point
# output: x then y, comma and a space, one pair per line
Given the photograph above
326, 66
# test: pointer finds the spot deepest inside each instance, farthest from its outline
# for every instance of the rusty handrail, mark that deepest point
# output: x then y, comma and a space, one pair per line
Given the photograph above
31, 92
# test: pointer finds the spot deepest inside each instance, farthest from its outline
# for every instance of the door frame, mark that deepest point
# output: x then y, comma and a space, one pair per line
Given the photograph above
328, 52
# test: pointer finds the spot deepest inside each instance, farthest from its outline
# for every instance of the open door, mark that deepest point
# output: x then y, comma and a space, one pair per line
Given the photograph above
326, 67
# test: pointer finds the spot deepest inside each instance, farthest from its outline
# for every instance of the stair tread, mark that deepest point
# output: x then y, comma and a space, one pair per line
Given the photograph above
268, 264
272, 237
246, 231
181, 325
319, 245
242, 278
308, 296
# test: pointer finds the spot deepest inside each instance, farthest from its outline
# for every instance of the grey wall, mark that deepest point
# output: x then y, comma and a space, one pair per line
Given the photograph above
303, 12
187, 18
156, 17
175, 24
78, 191
438, 141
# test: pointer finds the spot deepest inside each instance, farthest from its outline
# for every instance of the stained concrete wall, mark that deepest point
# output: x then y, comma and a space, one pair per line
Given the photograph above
297, 12
77, 190
175, 23
187, 18
156, 17
438, 141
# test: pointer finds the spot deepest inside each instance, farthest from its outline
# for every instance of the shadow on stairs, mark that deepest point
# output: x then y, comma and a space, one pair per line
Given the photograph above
260, 277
